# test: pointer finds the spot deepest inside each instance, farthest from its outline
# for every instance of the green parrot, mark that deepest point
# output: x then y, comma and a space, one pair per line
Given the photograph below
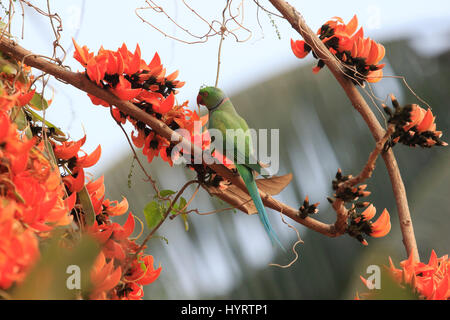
223, 116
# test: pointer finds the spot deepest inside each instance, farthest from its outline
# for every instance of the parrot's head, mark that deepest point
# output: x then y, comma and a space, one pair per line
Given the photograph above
210, 97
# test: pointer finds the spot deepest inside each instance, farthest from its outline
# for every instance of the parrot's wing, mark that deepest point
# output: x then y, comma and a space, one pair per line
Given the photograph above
241, 200
239, 140
248, 158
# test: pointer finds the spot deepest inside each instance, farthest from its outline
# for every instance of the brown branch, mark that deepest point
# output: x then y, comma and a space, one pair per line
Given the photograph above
358, 102
368, 169
80, 81
338, 204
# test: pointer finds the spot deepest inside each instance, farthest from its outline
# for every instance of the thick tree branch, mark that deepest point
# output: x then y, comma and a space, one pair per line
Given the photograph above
358, 102
80, 81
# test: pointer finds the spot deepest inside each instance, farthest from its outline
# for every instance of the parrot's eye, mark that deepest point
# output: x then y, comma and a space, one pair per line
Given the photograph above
205, 94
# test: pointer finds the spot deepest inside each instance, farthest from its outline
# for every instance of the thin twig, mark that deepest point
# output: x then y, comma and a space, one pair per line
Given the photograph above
223, 28
299, 240
149, 177
368, 169
166, 214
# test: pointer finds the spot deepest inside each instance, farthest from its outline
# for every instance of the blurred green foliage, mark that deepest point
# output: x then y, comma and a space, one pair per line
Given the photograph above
51, 278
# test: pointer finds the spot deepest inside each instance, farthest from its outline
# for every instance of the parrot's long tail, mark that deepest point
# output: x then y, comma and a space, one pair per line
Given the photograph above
252, 188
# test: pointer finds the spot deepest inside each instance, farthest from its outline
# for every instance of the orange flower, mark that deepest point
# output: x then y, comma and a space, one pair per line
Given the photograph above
115, 64
361, 223
423, 120
123, 90
123, 232
154, 145
24, 98
101, 233
42, 208
75, 182
142, 271
360, 54
19, 246
7, 101
382, 226
166, 105
131, 291
139, 140
154, 98
82, 55
98, 101
430, 281
67, 152
69, 149
104, 277
91, 159
96, 68
114, 250
413, 125
115, 208
300, 48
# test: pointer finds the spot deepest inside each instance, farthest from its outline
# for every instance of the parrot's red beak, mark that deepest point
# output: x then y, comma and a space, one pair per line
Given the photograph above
199, 100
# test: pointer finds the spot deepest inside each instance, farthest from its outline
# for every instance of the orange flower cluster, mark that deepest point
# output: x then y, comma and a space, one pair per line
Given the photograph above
359, 55
35, 197
120, 270
145, 85
360, 223
114, 275
16, 93
414, 126
32, 198
429, 281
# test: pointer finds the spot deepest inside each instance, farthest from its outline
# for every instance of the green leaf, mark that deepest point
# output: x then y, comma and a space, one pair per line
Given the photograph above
19, 117
142, 263
165, 193
153, 213
182, 203
88, 208
8, 67
39, 102
29, 133
49, 152
37, 117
